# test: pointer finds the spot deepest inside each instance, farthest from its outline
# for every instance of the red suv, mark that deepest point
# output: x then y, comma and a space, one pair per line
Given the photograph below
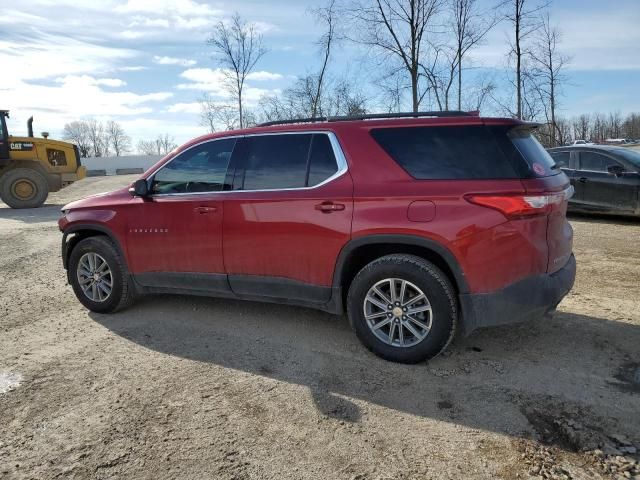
416, 225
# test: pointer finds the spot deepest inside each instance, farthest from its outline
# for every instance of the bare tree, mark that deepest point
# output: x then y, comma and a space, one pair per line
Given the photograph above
525, 20
162, 145
469, 26
117, 138
614, 125
147, 147
338, 98
78, 133
165, 144
215, 115
581, 126
326, 15
95, 135
549, 65
631, 126
398, 29
240, 48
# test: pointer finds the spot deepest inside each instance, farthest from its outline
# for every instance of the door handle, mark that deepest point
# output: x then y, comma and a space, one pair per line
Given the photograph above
203, 210
328, 207
583, 179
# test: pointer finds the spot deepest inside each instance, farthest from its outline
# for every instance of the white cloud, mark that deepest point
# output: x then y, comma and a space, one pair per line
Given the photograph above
132, 68
264, 76
184, 7
149, 22
214, 80
54, 55
599, 38
184, 62
188, 107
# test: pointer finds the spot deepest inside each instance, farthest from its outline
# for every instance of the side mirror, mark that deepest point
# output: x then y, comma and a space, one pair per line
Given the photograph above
140, 188
616, 170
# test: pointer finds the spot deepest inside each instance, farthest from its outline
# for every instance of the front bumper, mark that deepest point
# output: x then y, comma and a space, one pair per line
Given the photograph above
527, 299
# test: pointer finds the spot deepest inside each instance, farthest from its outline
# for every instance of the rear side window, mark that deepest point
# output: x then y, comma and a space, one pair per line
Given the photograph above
461, 152
275, 162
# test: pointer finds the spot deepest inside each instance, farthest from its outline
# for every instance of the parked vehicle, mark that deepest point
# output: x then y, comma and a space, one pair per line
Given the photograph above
606, 178
31, 167
417, 227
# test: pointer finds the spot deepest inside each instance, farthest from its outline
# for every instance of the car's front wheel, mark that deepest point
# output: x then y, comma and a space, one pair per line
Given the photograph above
98, 275
403, 308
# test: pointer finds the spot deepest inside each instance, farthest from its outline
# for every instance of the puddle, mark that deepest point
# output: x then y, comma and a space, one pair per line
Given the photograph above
9, 381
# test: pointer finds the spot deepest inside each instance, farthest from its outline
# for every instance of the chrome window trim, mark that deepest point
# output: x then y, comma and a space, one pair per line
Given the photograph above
341, 162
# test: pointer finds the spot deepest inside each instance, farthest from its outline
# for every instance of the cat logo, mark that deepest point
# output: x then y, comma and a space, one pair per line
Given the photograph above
20, 146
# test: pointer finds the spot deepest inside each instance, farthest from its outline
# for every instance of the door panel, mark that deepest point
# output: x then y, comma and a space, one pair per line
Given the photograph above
601, 190
284, 234
179, 228
296, 230
176, 233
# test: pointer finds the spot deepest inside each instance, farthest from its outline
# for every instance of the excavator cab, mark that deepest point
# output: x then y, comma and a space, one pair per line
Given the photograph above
31, 167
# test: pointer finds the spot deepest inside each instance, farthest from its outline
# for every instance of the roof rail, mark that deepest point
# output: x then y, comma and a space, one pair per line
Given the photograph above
374, 116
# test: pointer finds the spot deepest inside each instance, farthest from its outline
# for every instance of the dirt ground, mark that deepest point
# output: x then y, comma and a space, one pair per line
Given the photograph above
181, 387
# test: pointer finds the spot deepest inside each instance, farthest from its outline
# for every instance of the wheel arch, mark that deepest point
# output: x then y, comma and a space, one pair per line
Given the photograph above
361, 251
73, 234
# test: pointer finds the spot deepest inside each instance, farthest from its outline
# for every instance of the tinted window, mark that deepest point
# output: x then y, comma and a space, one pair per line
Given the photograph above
322, 162
541, 163
562, 159
200, 169
595, 162
268, 162
445, 152
629, 155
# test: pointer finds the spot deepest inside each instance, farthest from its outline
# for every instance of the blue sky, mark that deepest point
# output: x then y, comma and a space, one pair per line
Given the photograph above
145, 64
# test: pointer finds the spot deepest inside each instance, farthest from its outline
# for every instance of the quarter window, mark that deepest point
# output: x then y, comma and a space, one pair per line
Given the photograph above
202, 168
445, 152
322, 162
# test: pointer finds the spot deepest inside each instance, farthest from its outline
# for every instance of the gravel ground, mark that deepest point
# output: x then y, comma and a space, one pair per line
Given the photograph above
180, 387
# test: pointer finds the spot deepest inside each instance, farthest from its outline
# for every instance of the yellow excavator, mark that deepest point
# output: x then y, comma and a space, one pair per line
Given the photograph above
32, 167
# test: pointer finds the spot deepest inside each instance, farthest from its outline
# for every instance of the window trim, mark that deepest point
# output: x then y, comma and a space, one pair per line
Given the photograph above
341, 161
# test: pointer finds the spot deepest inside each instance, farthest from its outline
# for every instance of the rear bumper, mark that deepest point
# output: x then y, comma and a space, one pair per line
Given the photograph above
527, 299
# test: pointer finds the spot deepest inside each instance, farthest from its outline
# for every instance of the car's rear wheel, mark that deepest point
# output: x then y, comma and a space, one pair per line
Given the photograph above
403, 308
98, 275
23, 188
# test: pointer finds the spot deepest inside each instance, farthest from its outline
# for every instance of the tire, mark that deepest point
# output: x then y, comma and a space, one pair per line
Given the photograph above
23, 188
102, 249
438, 312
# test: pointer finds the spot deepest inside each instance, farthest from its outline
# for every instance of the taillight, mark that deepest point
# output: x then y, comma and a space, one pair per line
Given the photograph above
518, 205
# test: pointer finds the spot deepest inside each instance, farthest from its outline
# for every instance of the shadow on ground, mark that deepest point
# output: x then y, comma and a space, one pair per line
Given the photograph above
603, 218
566, 367
47, 213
